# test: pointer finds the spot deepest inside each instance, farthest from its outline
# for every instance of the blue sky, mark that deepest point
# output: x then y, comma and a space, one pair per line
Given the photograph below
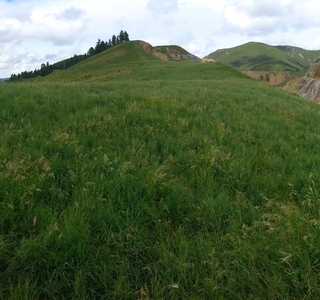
34, 31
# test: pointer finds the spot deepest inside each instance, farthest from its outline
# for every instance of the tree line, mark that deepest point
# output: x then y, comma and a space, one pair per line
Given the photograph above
46, 69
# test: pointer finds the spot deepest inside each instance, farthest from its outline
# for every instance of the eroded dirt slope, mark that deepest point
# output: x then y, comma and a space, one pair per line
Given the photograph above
169, 53
309, 85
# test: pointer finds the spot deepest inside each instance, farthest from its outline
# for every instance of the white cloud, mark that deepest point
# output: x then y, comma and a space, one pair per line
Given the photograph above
163, 6
34, 31
71, 13
252, 17
316, 43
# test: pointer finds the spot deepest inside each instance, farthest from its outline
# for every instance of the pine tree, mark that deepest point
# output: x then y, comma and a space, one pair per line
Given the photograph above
98, 47
91, 51
121, 36
126, 37
103, 46
114, 40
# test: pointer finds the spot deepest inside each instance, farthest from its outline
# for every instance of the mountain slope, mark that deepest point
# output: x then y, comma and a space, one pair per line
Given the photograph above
254, 56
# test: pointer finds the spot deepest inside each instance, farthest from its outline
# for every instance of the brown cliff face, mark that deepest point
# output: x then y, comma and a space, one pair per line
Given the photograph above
309, 85
169, 53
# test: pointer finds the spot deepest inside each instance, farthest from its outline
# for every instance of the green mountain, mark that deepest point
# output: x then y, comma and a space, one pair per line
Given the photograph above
254, 56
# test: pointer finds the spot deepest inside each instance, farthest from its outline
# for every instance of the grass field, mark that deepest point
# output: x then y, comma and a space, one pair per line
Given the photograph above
182, 181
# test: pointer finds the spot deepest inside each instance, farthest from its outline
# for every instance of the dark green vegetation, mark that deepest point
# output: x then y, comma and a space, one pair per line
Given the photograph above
172, 181
261, 57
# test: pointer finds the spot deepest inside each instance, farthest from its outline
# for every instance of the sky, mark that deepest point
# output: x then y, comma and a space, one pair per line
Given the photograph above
33, 32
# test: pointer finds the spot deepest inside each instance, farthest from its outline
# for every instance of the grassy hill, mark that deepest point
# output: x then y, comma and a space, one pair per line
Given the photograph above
157, 180
261, 57
131, 60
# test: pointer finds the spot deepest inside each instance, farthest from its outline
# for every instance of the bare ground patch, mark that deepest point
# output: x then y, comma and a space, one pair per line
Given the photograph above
273, 78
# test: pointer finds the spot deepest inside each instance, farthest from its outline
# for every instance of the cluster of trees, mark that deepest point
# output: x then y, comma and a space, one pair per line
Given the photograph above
46, 69
115, 40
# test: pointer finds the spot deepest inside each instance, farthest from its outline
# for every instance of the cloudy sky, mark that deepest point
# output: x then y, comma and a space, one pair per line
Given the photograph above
39, 31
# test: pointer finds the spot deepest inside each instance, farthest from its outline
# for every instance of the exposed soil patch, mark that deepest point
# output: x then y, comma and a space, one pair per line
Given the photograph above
168, 53
306, 87
273, 78
309, 85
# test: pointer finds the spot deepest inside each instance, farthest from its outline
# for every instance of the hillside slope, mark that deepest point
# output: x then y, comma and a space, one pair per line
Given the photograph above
163, 180
254, 56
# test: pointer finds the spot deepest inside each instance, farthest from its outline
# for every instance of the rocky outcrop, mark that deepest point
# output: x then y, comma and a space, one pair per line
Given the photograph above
207, 60
169, 53
186, 56
309, 85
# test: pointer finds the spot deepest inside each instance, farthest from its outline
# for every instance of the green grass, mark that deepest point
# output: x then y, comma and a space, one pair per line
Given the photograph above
182, 181
261, 57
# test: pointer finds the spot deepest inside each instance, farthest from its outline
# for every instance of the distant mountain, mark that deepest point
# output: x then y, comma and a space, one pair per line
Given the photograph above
3, 79
255, 56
